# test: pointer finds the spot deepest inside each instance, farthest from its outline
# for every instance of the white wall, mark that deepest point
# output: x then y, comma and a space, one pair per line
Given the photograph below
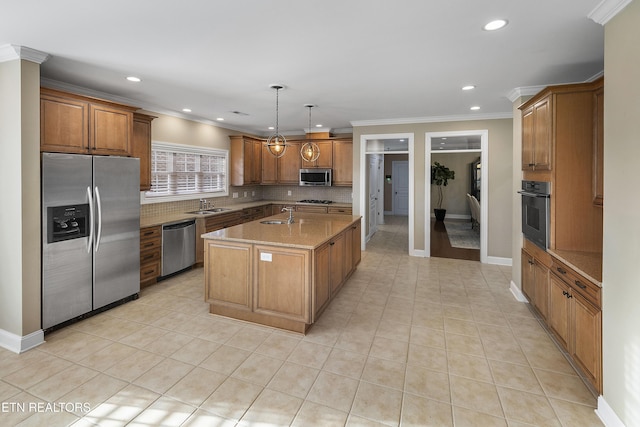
621, 245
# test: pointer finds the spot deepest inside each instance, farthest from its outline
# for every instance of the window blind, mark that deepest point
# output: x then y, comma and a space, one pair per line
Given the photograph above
181, 169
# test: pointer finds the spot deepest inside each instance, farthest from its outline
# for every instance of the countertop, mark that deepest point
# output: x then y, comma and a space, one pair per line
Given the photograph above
150, 221
309, 230
588, 264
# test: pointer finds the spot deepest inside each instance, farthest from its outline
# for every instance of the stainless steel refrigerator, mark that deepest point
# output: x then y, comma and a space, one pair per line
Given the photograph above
90, 234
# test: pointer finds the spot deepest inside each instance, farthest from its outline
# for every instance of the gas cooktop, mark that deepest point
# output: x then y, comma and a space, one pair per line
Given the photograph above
319, 202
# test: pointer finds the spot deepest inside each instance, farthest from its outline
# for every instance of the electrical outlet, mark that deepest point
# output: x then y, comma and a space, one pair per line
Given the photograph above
289, 193
234, 195
245, 194
253, 194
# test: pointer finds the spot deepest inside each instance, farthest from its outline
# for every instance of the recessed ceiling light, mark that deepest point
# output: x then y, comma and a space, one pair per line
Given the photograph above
271, 127
444, 137
468, 87
186, 110
495, 25
442, 143
220, 119
474, 108
318, 125
133, 79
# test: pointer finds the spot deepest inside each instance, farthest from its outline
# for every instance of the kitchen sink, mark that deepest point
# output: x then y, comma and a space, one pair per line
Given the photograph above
275, 221
209, 211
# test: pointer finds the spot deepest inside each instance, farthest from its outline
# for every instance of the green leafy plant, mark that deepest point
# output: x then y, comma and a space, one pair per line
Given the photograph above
440, 176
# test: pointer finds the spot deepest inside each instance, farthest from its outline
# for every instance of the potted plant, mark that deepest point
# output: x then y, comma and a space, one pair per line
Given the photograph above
440, 176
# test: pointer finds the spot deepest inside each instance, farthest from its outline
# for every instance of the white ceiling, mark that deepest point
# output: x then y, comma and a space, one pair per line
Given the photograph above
360, 61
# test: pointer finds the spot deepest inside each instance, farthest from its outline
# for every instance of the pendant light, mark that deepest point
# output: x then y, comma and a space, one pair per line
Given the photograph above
310, 151
277, 144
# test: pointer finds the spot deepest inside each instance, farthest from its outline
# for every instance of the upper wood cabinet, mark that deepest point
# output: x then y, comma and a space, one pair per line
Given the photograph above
142, 147
246, 160
342, 162
71, 123
536, 136
325, 159
281, 170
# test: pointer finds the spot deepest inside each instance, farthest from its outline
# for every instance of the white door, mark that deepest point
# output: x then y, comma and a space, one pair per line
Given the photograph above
400, 187
374, 191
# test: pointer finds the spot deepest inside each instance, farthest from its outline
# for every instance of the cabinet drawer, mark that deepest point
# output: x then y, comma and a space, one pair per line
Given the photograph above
150, 256
150, 233
578, 283
311, 209
336, 210
147, 245
150, 271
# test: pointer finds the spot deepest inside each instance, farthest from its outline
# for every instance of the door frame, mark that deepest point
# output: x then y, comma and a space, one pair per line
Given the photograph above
484, 185
410, 137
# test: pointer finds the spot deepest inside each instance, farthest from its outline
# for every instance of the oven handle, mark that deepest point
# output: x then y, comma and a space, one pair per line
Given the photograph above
528, 194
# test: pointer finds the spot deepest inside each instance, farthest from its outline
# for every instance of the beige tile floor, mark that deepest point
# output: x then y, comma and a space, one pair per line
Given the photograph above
407, 342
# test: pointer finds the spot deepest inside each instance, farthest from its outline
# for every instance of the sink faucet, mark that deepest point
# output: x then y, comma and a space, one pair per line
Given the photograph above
290, 210
204, 204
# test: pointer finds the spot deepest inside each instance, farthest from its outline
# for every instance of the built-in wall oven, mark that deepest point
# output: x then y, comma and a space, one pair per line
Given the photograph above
536, 211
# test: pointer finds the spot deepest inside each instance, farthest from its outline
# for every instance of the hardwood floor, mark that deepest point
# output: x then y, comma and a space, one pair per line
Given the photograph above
441, 247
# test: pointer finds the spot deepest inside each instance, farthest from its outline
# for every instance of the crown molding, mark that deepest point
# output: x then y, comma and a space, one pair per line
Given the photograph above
11, 52
433, 119
606, 10
519, 92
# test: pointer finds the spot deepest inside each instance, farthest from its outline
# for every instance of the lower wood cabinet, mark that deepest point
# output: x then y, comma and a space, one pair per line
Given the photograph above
229, 261
150, 254
570, 304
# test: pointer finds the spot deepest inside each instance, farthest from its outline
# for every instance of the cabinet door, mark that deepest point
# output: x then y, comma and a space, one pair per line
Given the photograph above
281, 283
528, 277
256, 162
142, 148
228, 274
325, 159
111, 130
542, 134
587, 345
342, 163
337, 262
269, 167
541, 292
527, 139
64, 125
289, 165
559, 310
311, 209
322, 278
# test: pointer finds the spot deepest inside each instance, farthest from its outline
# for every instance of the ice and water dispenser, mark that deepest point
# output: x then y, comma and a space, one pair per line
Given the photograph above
67, 222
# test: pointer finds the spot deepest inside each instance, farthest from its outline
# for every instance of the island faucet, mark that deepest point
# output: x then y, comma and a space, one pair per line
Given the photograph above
290, 210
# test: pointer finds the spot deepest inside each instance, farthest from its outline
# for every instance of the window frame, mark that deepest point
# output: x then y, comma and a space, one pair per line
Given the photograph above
150, 197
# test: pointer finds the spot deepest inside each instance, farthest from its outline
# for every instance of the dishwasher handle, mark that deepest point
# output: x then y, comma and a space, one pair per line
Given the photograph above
178, 225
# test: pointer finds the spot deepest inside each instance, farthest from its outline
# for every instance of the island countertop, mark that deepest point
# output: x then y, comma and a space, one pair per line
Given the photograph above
309, 230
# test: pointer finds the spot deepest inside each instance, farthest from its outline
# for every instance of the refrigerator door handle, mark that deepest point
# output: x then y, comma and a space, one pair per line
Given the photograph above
99, 205
91, 220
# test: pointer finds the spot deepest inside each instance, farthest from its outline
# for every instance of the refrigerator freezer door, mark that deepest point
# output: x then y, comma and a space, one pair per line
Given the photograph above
116, 263
66, 265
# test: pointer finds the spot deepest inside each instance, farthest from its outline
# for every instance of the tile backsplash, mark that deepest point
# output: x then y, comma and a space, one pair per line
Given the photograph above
254, 193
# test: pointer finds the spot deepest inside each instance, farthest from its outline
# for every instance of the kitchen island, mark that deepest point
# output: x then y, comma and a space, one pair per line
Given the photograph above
280, 275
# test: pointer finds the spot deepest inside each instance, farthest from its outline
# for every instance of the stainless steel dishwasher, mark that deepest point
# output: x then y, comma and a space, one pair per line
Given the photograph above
178, 246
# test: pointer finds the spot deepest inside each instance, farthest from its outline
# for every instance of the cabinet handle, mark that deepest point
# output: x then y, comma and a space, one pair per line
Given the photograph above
148, 244
561, 270
148, 257
532, 164
354, 227
565, 293
580, 285
148, 233
531, 262
149, 271
332, 243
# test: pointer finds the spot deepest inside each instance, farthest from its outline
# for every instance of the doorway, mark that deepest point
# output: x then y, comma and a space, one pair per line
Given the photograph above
376, 180
462, 149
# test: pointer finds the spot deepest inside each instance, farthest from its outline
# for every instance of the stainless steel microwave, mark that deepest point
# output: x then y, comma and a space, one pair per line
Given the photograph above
315, 177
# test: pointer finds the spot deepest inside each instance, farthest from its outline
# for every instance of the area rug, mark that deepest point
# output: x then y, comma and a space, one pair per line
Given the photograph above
461, 235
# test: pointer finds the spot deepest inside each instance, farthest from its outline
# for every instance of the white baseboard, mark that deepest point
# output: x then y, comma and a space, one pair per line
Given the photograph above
607, 415
517, 293
454, 216
18, 344
499, 261
418, 253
